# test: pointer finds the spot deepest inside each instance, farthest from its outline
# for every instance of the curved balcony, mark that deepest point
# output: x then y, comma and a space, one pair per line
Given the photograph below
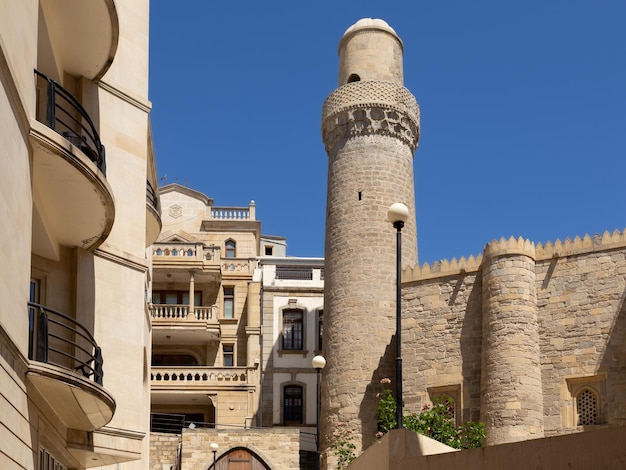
84, 34
153, 214
73, 202
66, 368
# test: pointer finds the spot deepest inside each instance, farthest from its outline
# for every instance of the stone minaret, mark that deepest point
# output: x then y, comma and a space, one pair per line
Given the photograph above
370, 127
511, 393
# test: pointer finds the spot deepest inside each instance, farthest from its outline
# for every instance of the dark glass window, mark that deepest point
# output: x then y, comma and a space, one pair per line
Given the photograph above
292, 329
292, 405
229, 355
229, 302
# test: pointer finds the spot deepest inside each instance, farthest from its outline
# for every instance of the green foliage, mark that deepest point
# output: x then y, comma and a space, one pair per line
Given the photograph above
436, 422
342, 446
386, 412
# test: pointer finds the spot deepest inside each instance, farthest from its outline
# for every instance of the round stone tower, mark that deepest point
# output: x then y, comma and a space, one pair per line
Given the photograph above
370, 127
511, 392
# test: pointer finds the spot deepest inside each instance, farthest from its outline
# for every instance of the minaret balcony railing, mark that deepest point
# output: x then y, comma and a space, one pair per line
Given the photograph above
57, 339
64, 114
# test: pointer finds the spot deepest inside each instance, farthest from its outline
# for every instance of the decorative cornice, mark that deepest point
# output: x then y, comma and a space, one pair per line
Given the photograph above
370, 108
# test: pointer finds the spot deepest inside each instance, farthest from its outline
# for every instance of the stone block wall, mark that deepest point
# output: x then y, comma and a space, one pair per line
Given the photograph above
580, 288
278, 448
163, 450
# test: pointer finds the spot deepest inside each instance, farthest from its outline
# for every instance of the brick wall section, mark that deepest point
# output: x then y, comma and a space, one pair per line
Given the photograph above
580, 287
163, 450
278, 448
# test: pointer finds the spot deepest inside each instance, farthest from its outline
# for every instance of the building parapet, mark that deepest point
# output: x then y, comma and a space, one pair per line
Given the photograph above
547, 250
234, 213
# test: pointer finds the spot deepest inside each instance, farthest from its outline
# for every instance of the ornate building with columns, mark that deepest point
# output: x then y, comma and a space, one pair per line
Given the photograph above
205, 313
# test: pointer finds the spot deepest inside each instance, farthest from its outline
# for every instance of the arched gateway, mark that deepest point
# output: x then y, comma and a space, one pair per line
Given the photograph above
239, 458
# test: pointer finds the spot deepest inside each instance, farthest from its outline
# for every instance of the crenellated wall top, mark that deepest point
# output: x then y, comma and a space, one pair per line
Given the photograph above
541, 252
510, 246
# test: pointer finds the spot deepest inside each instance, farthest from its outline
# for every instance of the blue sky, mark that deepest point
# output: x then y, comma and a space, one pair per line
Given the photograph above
523, 113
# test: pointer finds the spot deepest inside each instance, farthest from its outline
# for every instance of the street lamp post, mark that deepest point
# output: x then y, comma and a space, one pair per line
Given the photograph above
397, 214
214, 446
318, 363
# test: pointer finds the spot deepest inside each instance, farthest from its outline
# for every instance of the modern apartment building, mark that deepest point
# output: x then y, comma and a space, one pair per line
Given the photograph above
79, 209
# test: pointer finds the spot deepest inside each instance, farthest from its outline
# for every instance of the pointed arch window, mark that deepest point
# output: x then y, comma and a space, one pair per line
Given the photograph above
231, 248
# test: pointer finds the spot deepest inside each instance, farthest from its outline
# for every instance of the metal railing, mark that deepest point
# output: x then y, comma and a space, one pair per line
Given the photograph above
300, 273
55, 338
151, 196
66, 116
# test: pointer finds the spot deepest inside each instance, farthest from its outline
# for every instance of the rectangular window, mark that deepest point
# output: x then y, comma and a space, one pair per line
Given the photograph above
48, 462
292, 405
229, 355
292, 329
269, 250
229, 302
320, 329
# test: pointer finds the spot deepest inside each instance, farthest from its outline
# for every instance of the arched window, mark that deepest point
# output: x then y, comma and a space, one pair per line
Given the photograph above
587, 407
292, 405
231, 248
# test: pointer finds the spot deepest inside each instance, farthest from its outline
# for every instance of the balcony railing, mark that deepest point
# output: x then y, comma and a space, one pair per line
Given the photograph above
55, 338
175, 311
66, 116
151, 197
186, 251
199, 375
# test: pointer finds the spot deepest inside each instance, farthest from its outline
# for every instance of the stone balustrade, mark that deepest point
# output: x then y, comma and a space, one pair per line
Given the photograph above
185, 251
234, 213
198, 375
181, 312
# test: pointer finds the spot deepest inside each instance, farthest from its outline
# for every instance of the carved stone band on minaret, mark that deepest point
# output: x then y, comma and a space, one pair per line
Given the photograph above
366, 108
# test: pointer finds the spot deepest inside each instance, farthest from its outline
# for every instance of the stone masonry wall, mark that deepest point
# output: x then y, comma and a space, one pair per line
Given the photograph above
511, 392
580, 288
163, 450
279, 449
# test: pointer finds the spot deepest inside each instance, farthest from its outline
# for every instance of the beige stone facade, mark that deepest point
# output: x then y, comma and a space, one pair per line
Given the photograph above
292, 299
536, 345
77, 166
205, 312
